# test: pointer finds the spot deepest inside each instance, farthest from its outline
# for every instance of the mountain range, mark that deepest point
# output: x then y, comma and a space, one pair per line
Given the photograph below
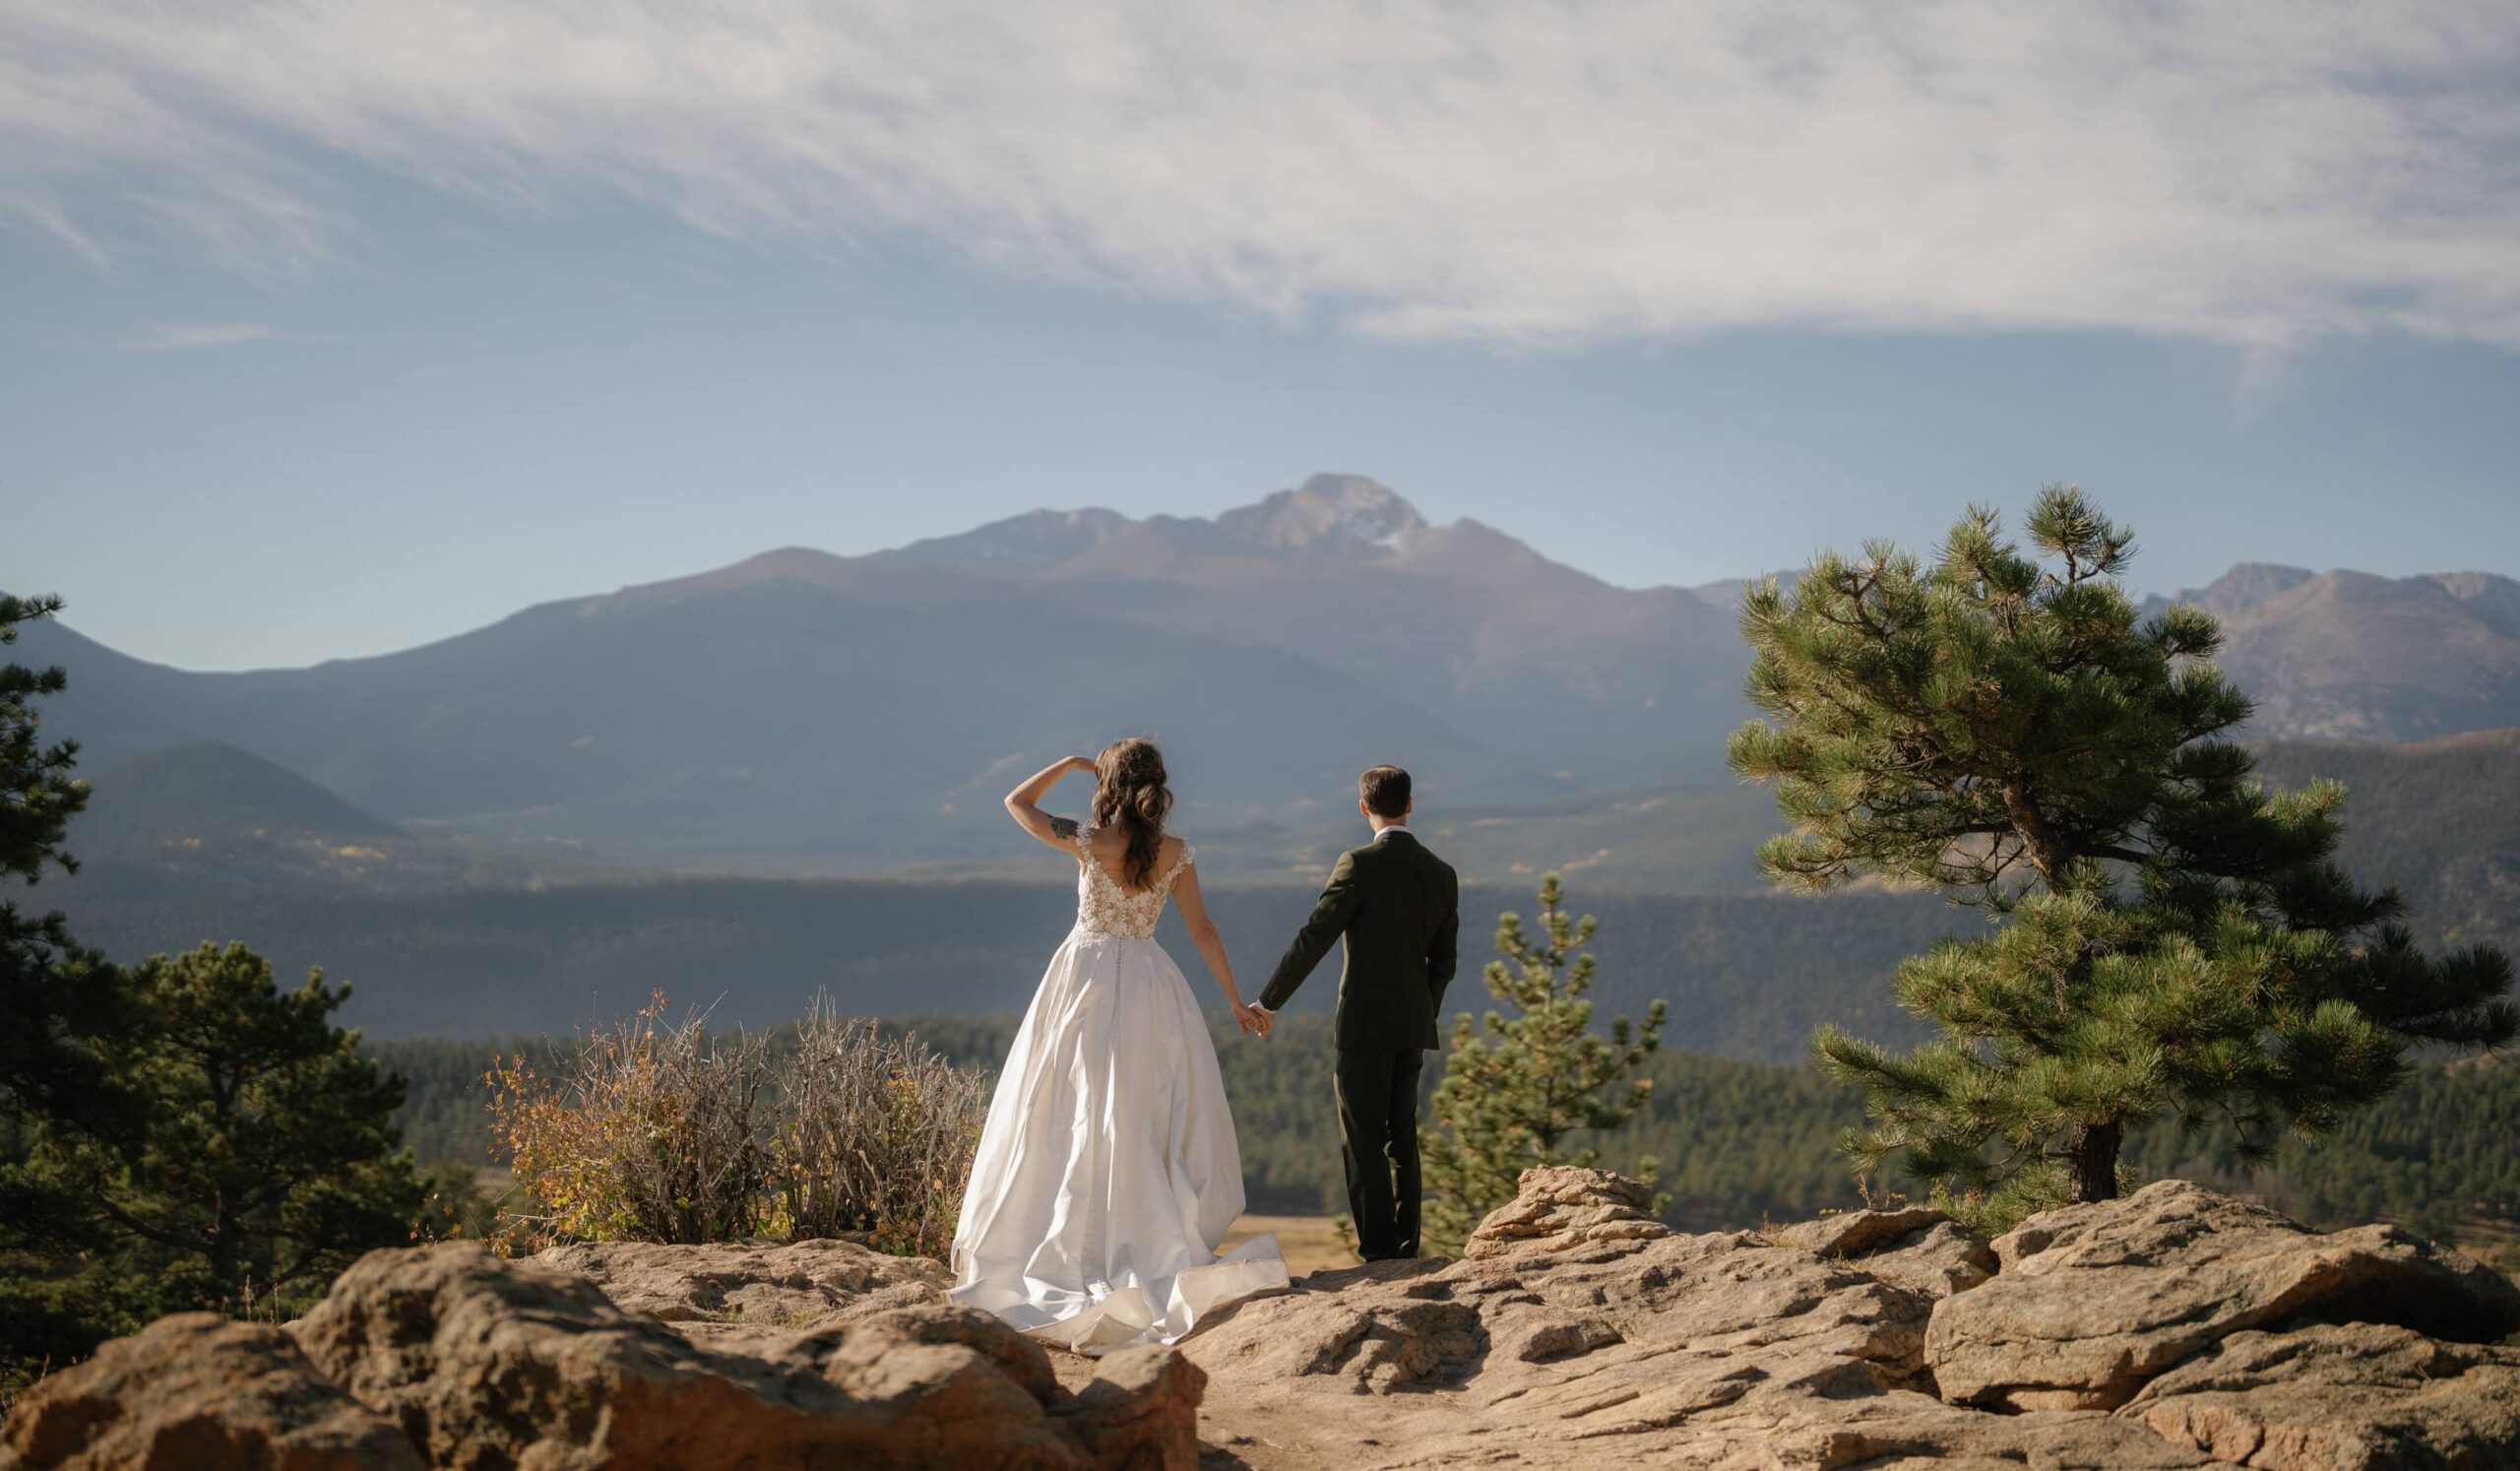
2347, 656
805, 713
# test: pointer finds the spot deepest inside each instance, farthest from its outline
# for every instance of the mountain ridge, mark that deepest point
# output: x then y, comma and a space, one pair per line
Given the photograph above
1284, 644
769, 713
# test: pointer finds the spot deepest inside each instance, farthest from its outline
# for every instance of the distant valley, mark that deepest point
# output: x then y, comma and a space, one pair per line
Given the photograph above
463, 937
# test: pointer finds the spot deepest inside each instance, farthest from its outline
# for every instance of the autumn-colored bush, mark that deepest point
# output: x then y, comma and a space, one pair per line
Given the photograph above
875, 1136
645, 1132
652, 1131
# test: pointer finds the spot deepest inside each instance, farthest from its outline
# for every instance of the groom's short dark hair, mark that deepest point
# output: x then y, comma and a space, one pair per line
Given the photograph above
1385, 791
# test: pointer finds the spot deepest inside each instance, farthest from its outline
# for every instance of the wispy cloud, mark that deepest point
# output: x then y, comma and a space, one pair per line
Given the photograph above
2252, 171
187, 337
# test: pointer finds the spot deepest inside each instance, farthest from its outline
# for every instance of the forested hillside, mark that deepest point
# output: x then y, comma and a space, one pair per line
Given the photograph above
2439, 820
1737, 1142
1746, 975
1749, 974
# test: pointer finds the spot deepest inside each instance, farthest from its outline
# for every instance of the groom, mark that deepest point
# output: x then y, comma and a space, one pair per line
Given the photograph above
1399, 907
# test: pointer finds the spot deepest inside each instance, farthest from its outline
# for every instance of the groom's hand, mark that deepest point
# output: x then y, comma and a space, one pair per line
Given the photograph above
1263, 1018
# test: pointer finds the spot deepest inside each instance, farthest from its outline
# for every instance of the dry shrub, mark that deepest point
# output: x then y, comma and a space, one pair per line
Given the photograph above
650, 1131
875, 1136
645, 1132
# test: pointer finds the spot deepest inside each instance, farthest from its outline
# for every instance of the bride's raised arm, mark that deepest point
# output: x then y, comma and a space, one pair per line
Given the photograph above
1203, 934
1024, 804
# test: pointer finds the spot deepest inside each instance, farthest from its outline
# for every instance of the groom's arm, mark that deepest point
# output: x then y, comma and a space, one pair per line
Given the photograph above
1444, 957
1329, 915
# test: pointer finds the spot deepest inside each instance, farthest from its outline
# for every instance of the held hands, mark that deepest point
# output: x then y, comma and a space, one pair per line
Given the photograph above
1255, 1019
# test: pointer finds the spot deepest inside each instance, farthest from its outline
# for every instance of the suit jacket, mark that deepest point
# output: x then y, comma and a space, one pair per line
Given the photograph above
1399, 909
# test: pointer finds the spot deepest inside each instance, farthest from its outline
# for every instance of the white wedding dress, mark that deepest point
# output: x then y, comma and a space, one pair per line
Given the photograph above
1108, 1171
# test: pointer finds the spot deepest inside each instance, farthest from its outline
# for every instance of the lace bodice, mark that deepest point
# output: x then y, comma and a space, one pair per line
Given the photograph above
1102, 907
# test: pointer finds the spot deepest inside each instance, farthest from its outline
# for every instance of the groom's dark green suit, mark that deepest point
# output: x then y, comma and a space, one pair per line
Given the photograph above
1399, 909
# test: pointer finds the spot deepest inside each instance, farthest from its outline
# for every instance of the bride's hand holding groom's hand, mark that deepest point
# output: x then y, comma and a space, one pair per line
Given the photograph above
1251, 1019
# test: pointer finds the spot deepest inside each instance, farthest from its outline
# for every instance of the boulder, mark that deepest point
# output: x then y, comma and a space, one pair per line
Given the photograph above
1858, 1233
1562, 1207
2093, 1301
1921, 1249
1140, 1413
198, 1393
1943, 1258
2340, 1397
487, 1362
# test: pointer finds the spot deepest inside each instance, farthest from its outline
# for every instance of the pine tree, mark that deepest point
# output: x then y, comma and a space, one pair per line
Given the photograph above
2173, 937
270, 1158
59, 1002
56, 997
1515, 1087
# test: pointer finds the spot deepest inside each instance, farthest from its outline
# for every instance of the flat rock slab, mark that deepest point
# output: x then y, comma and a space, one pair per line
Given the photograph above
767, 1285
1721, 1352
1575, 1353
2094, 1300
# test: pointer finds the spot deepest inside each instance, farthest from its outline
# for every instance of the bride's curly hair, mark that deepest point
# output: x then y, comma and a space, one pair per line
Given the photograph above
1130, 793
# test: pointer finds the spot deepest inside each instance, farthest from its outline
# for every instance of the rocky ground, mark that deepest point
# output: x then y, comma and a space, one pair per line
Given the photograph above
2173, 1328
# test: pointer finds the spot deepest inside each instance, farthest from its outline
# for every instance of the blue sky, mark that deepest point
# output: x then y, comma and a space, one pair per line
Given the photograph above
324, 332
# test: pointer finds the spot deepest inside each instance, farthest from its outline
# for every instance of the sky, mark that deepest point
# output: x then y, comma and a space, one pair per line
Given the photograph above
327, 330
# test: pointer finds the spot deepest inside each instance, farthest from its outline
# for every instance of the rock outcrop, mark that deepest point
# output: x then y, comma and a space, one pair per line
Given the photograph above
2176, 1328
1914, 1247
2093, 1302
2353, 1395
736, 1292
448, 1356
1561, 1208
197, 1390
1594, 1344
1561, 1341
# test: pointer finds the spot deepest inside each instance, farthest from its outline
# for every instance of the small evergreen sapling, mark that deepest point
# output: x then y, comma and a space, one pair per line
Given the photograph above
1515, 1087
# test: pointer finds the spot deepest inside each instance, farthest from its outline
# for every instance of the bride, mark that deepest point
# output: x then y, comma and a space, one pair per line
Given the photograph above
1107, 1172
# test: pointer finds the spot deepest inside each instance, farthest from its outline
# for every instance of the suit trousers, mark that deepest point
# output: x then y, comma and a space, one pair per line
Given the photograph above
1378, 1125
